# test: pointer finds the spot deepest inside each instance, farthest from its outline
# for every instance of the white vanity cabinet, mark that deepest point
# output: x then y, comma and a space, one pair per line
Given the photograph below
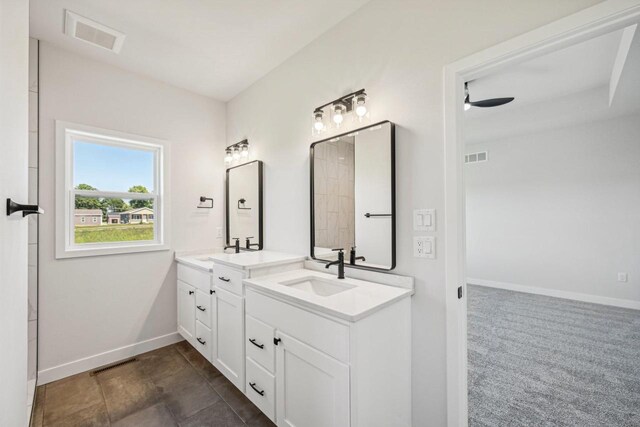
211, 305
305, 367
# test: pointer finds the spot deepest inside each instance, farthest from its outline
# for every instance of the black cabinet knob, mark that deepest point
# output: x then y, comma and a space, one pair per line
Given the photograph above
190, 292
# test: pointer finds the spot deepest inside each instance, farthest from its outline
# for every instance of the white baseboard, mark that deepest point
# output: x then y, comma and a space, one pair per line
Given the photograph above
82, 365
576, 296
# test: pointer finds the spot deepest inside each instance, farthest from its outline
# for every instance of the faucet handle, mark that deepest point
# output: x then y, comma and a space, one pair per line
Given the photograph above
235, 238
338, 249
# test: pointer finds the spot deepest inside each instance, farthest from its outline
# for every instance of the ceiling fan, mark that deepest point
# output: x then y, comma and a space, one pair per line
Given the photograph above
485, 103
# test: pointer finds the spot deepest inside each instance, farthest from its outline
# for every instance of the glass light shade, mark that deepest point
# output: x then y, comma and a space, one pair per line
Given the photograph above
227, 157
338, 114
245, 151
360, 105
236, 154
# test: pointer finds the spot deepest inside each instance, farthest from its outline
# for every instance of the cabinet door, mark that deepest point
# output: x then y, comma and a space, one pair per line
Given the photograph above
230, 336
186, 311
312, 389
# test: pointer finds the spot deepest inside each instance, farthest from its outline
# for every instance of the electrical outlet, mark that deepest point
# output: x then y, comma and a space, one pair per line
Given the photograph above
623, 277
219, 232
424, 247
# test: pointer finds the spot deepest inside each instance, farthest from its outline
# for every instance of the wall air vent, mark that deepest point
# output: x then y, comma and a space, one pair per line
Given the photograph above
93, 32
481, 156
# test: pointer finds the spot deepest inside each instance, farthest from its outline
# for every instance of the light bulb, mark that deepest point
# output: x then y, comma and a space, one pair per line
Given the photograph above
227, 157
245, 151
338, 111
361, 108
236, 154
317, 124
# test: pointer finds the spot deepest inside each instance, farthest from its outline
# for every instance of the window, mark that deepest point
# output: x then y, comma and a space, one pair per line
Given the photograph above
102, 175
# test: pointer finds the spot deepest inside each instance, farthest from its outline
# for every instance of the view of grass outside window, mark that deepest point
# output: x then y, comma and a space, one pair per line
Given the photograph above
102, 168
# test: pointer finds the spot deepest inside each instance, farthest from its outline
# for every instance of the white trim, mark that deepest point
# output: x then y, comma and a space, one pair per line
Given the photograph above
92, 362
65, 194
576, 296
591, 22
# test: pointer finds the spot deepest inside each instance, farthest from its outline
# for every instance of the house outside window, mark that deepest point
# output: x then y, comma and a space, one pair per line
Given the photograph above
110, 187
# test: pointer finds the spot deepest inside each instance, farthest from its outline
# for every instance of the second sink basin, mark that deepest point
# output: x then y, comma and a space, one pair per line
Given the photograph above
317, 285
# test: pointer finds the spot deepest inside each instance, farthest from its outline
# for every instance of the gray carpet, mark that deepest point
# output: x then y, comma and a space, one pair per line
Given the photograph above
542, 361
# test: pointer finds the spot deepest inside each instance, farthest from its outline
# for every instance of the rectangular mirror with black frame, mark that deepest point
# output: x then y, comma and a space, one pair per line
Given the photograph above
244, 213
353, 197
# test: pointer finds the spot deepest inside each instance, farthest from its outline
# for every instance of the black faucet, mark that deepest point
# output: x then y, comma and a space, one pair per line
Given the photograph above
236, 245
353, 258
248, 243
339, 263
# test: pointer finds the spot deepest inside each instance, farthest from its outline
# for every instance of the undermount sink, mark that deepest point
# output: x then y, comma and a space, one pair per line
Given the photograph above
317, 285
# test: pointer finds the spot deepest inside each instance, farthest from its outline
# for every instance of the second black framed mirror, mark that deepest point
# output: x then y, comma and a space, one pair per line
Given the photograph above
244, 211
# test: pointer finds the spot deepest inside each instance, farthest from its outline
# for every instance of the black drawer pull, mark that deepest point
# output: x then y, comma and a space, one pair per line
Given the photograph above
201, 308
201, 341
253, 341
224, 279
253, 386
190, 292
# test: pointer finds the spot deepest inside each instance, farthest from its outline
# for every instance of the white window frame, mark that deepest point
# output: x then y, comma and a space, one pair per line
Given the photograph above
66, 247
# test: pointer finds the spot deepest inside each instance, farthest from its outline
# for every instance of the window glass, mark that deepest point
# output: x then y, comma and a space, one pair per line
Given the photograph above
114, 220
112, 168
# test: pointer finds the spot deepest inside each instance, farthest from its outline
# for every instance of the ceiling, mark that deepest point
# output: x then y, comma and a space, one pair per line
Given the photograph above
560, 89
215, 48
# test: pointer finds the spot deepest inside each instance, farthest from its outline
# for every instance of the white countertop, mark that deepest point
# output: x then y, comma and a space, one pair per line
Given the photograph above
201, 262
353, 304
249, 260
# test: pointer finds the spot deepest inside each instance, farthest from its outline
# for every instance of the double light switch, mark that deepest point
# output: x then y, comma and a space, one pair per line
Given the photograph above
424, 220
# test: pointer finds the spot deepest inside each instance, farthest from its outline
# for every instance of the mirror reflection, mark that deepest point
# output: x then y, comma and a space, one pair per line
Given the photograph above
244, 206
353, 197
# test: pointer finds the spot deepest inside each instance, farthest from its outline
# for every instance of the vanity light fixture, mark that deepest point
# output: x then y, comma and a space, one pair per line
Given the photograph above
355, 104
236, 151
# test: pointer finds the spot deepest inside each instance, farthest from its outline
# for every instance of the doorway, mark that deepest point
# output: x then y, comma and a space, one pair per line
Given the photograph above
588, 24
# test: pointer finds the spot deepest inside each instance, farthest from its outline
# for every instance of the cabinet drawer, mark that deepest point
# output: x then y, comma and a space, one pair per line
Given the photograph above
228, 279
203, 307
203, 340
259, 345
194, 277
319, 332
260, 388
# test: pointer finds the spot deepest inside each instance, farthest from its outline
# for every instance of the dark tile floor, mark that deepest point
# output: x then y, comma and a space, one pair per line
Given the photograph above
171, 386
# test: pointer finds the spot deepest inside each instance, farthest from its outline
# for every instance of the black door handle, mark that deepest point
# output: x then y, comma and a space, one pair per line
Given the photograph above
253, 386
190, 292
252, 341
201, 341
211, 292
201, 308
13, 207
224, 279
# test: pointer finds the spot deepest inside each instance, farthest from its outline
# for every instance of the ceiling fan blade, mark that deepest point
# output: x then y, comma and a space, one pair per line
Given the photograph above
494, 102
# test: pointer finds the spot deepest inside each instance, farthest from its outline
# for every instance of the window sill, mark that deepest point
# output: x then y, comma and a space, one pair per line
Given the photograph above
111, 250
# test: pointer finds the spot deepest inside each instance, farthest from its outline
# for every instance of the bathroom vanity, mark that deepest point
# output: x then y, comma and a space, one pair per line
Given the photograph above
306, 348
211, 303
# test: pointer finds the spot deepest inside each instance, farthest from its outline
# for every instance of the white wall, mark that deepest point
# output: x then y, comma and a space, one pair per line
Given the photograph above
97, 304
558, 209
396, 50
14, 53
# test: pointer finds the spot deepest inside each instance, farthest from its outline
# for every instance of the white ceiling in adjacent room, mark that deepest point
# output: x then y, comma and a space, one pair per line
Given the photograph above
215, 48
563, 88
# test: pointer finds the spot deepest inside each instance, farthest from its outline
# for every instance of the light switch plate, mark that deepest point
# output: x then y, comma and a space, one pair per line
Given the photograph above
424, 220
424, 247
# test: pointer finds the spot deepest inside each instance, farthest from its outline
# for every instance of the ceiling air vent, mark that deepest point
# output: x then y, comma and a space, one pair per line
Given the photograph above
93, 32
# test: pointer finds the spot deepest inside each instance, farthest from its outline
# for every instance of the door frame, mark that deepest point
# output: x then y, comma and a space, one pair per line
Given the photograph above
588, 23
